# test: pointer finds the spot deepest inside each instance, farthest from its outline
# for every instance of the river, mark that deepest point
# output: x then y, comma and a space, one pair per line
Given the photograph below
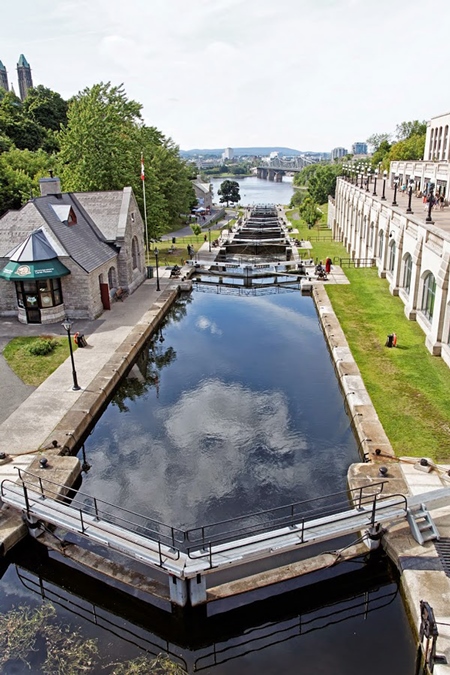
255, 190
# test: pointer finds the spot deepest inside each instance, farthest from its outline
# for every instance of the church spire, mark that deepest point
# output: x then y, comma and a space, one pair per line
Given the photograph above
24, 76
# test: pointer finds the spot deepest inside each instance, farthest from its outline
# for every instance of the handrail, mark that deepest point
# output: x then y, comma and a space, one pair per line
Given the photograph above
300, 528
340, 498
149, 529
357, 262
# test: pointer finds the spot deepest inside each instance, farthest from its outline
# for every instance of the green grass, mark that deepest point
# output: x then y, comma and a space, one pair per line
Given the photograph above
409, 387
34, 370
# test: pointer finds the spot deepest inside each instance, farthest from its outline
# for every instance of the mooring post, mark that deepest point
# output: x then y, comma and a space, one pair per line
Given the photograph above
178, 589
197, 590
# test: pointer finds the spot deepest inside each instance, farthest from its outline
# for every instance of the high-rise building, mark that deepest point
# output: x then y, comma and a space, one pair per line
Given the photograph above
228, 153
3, 77
359, 148
24, 76
338, 152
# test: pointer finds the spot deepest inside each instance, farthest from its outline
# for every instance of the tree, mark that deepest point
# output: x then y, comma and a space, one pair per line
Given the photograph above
46, 107
229, 192
297, 198
405, 130
196, 229
380, 153
99, 146
376, 140
303, 177
310, 212
20, 171
323, 182
24, 132
410, 148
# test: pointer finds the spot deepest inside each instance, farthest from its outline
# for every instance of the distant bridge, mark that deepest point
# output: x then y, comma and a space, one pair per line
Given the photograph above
277, 167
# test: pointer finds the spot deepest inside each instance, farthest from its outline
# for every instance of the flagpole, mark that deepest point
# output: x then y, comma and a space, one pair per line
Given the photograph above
145, 205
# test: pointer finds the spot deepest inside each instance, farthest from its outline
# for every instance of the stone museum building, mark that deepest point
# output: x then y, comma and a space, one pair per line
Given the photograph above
65, 254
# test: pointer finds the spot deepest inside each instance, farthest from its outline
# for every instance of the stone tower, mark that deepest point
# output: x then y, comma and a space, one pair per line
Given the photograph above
24, 76
3, 77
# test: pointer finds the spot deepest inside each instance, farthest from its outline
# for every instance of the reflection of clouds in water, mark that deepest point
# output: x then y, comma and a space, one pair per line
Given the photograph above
227, 448
205, 324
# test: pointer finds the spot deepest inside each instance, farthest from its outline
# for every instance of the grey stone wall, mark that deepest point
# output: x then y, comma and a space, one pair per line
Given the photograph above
128, 276
8, 298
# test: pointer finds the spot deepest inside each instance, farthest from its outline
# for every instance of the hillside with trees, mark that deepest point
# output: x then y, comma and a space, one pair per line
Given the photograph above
93, 142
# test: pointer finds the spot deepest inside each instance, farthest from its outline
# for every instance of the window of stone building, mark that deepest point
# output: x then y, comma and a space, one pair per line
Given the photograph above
380, 244
428, 295
112, 277
392, 251
39, 294
135, 253
407, 272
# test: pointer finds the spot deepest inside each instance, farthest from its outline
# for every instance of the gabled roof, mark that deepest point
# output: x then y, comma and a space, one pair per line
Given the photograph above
108, 210
83, 241
35, 247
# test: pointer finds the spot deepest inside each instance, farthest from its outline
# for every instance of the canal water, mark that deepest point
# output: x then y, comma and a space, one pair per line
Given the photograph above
232, 407
255, 190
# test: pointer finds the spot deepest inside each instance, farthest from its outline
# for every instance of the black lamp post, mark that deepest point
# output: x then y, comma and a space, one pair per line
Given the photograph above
383, 196
156, 252
429, 219
409, 209
209, 238
368, 179
375, 176
67, 325
394, 201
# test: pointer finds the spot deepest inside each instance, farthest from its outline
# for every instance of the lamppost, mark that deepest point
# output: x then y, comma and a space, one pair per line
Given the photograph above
209, 238
411, 183
429, 219
383, 196
375, 176
368, 179
394, 201
156, 252
67, 325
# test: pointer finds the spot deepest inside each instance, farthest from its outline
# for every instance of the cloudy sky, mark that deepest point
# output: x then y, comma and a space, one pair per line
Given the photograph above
307, 74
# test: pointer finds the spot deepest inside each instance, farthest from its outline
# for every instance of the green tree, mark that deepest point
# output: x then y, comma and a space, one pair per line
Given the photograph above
297, 198
23, 131
310, 212
99, 145
303, 177
323, 182
46, 107
405, 130
376, 140
20, 171
229, 192
197, 230
381, 153
410, 148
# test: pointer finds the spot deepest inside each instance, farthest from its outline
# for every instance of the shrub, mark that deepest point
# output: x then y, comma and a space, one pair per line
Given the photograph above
42, 346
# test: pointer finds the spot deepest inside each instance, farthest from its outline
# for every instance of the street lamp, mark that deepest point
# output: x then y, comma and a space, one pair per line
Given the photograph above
383, 196
156, 252
411, 183
67, 325
394, 201
368, 179
375, 176
429, 219
209, 238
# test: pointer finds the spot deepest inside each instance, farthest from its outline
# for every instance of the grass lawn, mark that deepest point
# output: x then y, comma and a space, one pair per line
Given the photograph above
35, 369
179, 254
409, 387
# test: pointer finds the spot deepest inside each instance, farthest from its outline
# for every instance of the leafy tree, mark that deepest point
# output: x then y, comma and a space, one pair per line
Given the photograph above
310, 212
303, 177
197, 230
20, 171
229, 192
46, 107
407, 129
99, 146
323, 182
381, 153
410, 148
376, 140
297, 198
24, 132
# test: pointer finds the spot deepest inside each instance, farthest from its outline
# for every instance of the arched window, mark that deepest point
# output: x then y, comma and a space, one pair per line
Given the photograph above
112, 277
429, 292
380, 244
135, 253
392, 250
372, 233
407, 272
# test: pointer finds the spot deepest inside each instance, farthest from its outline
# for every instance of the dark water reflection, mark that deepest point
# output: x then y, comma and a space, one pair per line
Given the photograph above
244, 414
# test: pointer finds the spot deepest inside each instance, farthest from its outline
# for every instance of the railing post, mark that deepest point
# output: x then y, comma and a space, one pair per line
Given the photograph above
96, 509
374, 510
81, 521
41, 486
27, 503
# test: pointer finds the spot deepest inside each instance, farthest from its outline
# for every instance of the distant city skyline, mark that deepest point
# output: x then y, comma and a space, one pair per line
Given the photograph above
235, 73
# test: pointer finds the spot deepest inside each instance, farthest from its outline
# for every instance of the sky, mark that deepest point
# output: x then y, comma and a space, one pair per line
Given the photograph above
305, 74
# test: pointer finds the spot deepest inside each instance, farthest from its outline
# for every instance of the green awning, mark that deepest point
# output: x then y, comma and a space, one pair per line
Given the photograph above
41, 269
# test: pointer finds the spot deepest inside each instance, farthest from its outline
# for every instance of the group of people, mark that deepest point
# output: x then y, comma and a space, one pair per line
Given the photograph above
322, 270
437, 201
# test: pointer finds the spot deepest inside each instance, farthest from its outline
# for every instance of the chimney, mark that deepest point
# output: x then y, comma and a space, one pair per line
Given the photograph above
50, 186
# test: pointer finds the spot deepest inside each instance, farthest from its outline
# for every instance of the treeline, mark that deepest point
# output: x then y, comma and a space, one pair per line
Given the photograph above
240, 169
92, 142
317, 181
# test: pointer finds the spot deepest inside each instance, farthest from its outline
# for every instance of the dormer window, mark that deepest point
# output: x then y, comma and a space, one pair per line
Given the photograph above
72, 218
64, 213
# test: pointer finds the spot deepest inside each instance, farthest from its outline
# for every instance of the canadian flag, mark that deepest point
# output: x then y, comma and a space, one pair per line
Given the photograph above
142, 168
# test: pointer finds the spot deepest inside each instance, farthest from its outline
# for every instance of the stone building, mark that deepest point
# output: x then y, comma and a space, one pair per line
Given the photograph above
204, 194
64, 254
24, 77
413, 255
3, 77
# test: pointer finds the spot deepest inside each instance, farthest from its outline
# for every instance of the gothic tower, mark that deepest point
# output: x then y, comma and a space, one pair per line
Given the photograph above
24, 76
3, 77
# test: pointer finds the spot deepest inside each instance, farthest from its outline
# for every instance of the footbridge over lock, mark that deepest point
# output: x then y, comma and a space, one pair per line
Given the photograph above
190, 559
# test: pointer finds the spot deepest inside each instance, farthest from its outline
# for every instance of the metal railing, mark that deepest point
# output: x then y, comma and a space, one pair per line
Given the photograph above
357, 262
82, 505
